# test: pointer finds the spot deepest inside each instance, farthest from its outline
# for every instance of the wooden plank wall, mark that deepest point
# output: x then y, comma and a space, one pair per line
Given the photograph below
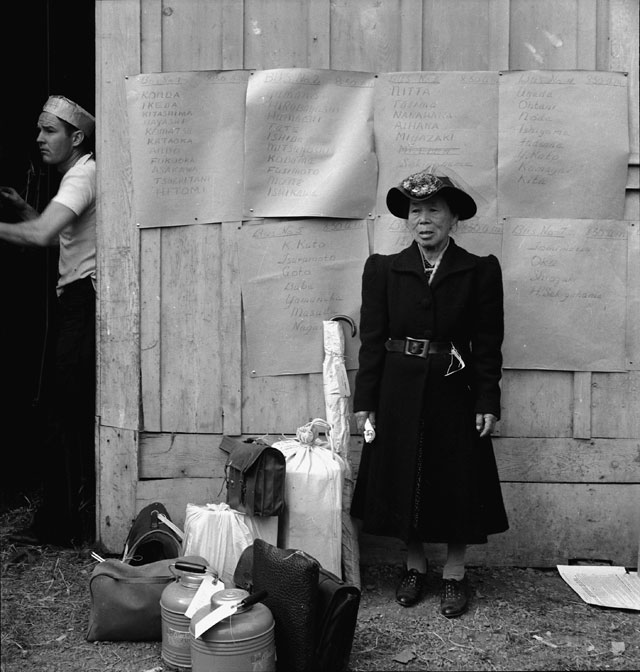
171, 374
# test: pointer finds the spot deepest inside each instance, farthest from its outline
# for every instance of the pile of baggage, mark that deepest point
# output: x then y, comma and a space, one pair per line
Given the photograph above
253, 582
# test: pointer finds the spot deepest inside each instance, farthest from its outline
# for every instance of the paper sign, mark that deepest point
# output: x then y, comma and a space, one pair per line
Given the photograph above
186, 133
295, 274
604, 586
448, 119
309, 144
563, 144
565, 294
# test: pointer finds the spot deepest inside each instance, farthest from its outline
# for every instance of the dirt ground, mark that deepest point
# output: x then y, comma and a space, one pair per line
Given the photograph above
519, 619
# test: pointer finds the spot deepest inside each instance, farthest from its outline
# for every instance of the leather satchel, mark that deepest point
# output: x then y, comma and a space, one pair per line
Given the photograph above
254, 474
125, 599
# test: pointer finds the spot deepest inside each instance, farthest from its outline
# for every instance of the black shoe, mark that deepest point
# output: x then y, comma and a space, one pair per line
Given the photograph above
454, 598
409, 590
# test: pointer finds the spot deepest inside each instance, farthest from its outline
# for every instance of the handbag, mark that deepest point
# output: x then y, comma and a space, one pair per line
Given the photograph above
255, 475
150, 539
337, 604
125, 599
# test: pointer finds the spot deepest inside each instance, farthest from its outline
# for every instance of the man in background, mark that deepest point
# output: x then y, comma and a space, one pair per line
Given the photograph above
66, 513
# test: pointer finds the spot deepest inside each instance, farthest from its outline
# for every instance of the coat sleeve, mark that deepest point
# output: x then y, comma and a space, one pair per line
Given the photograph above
488, 334
374, 331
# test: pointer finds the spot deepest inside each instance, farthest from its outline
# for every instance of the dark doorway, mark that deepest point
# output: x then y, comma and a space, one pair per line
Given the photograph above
52, 52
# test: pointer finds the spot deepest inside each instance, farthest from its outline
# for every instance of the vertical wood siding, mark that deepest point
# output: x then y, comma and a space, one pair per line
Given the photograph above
172, 378
118, 312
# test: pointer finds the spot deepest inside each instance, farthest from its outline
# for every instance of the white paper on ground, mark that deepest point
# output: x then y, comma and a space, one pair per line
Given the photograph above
604, 586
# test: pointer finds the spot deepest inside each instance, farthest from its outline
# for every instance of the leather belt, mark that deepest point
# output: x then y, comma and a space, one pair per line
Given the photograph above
418, 347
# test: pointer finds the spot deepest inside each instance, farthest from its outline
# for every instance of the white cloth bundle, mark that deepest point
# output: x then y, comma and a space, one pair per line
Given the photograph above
312, 521
219, 534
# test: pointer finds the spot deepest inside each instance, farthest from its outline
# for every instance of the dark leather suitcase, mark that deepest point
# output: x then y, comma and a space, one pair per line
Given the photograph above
338, 604
314, 610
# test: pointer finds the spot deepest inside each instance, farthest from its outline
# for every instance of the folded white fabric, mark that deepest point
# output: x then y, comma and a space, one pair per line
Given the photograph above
217, 533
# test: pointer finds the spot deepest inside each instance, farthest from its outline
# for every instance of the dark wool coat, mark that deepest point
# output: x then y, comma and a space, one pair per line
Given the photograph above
427, 468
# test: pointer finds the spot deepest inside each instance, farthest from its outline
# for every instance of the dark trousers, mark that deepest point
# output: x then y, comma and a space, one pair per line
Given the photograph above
67, 511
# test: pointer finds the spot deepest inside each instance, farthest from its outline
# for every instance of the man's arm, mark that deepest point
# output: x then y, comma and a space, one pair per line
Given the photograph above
41, 231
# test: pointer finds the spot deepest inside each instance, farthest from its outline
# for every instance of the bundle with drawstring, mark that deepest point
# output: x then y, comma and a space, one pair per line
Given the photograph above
312, 520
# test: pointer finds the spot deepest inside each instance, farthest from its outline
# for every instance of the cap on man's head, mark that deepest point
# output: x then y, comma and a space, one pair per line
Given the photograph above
426, 184
71, 112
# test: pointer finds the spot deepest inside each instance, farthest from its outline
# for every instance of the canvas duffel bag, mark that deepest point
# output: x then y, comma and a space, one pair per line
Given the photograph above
125, 599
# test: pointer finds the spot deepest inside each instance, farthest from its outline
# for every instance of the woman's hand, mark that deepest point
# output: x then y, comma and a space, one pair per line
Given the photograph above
361, 418
486, 423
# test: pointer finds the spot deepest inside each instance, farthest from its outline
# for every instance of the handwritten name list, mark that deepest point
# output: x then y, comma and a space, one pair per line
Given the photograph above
294, 275
563, 144
565, 294
186, 135
309, 144
441, 119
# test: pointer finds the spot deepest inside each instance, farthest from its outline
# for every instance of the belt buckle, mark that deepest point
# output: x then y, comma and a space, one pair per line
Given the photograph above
416, 347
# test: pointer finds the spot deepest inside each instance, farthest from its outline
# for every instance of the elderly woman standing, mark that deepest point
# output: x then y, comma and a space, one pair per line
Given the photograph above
428, 382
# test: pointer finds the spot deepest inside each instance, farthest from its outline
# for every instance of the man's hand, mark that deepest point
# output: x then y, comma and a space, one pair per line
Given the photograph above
11, 198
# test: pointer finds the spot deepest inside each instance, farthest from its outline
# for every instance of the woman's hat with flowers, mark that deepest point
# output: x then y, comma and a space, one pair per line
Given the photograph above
424, 185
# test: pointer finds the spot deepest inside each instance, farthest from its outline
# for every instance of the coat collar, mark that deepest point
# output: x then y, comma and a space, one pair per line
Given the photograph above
454, 260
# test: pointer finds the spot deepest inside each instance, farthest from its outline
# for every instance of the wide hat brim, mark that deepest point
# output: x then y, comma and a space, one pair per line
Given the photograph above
398, 199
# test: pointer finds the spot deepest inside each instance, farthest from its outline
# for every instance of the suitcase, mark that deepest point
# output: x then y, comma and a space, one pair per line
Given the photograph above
319, 642
338, 604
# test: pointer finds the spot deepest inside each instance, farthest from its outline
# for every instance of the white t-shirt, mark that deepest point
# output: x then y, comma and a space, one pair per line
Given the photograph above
78, 240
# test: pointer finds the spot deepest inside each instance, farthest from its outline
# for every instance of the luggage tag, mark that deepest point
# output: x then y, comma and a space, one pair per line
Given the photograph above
226, 610
210, 585
461, 364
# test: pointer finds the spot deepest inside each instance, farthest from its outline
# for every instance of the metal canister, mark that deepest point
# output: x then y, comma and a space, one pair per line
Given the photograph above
242, 642
174, 601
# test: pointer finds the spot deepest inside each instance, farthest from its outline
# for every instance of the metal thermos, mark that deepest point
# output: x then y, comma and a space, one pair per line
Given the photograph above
174, 601
241, 642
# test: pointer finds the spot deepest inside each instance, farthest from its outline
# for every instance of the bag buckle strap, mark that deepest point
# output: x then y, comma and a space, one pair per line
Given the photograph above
416, 347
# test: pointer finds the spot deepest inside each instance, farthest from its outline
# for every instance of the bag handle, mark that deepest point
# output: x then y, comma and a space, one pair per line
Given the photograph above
307, 434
